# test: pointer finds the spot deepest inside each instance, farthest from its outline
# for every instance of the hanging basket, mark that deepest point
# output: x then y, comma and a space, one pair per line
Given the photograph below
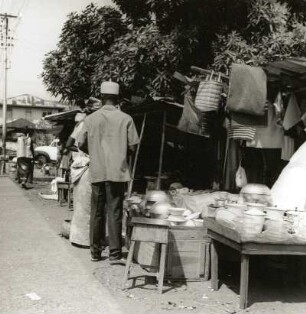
209, 94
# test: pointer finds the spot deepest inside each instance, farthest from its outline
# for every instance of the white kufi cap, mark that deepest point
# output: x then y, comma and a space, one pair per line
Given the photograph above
110, 88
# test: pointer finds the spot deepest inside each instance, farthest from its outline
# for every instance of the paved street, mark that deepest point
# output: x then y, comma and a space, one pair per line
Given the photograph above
38, 274
41, 272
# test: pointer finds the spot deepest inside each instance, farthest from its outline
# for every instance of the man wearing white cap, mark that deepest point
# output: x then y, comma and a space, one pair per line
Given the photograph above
109, 134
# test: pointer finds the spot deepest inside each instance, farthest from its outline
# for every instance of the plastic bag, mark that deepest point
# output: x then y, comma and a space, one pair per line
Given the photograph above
241, 178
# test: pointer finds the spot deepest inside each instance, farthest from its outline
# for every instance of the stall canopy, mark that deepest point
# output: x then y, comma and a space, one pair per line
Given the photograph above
20, 124
62, 116
290, 72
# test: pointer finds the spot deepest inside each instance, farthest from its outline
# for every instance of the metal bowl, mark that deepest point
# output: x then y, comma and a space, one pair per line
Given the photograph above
157, 196
160, 210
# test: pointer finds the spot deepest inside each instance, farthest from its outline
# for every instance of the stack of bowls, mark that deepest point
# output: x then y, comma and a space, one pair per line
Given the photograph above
176, 216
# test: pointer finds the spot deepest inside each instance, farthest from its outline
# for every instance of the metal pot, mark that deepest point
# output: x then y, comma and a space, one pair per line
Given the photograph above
256, 193
157, 196
160, 210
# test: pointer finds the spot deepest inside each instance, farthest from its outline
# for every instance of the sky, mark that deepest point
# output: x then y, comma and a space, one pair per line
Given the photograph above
36, 31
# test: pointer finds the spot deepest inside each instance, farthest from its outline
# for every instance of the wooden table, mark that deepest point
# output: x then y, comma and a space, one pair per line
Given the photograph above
246, 247
61, 188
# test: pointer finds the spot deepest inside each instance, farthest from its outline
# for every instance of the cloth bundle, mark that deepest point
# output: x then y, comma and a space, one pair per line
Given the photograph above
271, 136
208, 95
191, 117
78, 167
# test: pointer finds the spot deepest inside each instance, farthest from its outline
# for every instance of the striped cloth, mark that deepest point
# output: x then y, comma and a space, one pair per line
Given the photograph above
208, 95
244, 133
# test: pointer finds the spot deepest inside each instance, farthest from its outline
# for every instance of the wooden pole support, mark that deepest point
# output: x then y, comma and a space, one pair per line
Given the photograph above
161, 155
136, 156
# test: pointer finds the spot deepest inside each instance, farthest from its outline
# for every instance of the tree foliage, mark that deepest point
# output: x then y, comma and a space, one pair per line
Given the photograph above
85, 36
141, 59
274, 32
141, 45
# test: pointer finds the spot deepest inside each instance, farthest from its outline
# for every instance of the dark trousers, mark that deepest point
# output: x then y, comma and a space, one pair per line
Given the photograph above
24, 174
106, 201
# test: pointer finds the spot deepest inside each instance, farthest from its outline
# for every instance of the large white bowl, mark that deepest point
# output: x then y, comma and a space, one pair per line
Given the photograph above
176, 211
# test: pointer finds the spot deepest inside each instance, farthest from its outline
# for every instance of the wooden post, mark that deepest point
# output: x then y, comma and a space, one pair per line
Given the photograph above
214, 266
244, 281
161, 155
162, 264
136, 156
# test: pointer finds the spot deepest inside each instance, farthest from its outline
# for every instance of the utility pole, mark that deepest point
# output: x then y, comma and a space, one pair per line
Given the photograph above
5, 19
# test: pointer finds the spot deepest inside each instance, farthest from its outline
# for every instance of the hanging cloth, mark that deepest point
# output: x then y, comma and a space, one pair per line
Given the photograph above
191, 117
288, 148
239, 119
194, 121
293, 113
247, 90
244, 133
271, 136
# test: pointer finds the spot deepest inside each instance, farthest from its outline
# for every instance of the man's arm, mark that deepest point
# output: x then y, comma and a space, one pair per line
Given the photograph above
133, 139
70, 146
83, 139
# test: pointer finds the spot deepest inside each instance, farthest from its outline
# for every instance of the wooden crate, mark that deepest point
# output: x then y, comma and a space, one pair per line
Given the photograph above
188, 254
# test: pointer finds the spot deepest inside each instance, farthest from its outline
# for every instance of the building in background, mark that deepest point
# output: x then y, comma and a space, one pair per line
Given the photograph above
30, 107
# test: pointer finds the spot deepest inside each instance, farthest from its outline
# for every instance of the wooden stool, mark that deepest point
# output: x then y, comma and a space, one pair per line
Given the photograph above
61, 188
149, 230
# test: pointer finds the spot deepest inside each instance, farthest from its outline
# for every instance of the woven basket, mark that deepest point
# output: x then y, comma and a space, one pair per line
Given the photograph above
208, 95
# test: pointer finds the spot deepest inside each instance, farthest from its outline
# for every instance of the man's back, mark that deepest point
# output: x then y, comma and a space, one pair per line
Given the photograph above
109, 132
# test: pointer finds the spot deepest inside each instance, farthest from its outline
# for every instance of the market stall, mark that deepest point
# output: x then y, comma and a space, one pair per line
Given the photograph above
196, 159
253, 131
247, 247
